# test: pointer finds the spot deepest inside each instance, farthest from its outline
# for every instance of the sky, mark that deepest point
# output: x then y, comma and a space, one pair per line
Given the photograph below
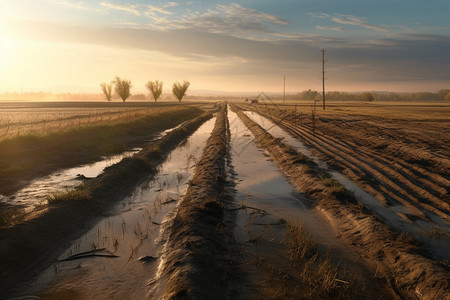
229, 46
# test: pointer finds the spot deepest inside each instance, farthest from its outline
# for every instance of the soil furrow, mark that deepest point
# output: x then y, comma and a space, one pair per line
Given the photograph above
396, 186
24, 249
197, 263
399, 187
384, 183
401, 262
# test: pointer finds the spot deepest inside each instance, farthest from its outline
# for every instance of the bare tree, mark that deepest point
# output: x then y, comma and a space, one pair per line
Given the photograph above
155, 88
367, 96
179, 89
123, 88
107, 90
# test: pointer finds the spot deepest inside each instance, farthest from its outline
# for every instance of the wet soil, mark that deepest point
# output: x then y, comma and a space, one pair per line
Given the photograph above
403, 264
402, 162
392, 215
25, 158
24, 248
198, 262
133, 236
265, 203
224, 236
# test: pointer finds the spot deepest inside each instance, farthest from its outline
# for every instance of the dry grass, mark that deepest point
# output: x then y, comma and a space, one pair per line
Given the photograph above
21, 157
319, 275
69, 195
300, 243
45, 121
408, 110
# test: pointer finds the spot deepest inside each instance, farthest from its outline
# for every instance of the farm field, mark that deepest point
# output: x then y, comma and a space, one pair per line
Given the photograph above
228, 197
399, 153
39, 138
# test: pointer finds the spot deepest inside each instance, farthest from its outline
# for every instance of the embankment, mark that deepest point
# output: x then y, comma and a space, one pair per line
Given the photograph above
197, 263
392, 255
28, 248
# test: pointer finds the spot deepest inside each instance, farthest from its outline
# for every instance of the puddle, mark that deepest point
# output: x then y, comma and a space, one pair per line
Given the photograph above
34, 194
261, 185
133, 233
438, 247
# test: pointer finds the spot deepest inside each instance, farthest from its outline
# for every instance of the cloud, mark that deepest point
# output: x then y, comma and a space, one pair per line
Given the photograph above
334, 28
127, 8
319, 15
72, 4
152, 10
402, 57
346, 20
356, 21
232, 19
149, 10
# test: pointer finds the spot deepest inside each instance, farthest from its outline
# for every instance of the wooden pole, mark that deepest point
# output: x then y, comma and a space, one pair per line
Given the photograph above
323, 77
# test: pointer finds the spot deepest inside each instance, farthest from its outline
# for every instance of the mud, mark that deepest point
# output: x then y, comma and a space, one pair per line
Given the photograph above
391, 215
265, 203
406, 269
24, 248
197, 263
225, 236
119, 256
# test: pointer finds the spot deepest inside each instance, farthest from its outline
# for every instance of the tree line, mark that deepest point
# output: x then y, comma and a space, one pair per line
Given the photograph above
443, 94
122, 88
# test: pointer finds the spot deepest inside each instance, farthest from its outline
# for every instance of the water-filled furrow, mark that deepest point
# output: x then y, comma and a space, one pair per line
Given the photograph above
422, 230
35, 193
120, 254
260, 185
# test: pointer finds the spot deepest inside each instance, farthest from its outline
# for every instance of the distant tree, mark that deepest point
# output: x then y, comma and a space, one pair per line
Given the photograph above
123, 88
155, 88
179, 89
442, 94
367, 96
309, 94
447, 97
107, 90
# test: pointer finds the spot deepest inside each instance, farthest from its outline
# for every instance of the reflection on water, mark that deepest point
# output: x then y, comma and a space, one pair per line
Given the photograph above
34, 194
438, 247
132, 233
261, 185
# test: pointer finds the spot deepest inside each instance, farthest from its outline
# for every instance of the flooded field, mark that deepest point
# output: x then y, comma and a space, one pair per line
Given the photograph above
242, 200
131, 240
34, 196
393, 215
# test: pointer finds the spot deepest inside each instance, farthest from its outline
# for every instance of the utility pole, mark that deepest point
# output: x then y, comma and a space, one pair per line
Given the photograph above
284, 89
323, 77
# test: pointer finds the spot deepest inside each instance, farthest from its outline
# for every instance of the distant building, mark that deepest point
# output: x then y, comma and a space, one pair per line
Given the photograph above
255, 101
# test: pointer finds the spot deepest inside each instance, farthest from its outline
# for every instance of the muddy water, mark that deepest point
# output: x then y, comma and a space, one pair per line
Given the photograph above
124, 249
261, 186
439, 248
34, 194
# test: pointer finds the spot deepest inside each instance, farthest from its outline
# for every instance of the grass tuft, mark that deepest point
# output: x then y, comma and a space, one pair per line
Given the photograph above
69, 195
300, 243
318, 274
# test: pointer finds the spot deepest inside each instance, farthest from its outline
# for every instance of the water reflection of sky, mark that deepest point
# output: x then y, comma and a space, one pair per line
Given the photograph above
391, 215
36, 191
135, 229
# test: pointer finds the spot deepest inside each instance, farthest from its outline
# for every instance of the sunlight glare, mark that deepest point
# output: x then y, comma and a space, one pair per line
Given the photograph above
5, 45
